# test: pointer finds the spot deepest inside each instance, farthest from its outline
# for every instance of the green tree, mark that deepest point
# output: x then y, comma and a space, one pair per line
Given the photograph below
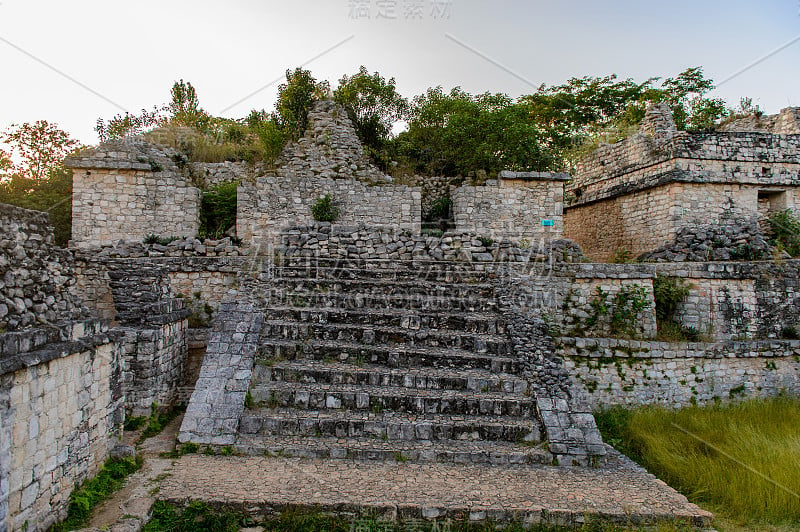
295, 98
373, 104
39, 181
40, 148
185, 107
456, 133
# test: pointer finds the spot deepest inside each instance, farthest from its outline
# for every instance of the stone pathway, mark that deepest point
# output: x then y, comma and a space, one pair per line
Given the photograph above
620, 492
130, 507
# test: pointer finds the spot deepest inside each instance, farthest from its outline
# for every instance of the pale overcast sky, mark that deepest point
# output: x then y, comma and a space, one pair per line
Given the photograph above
113, 56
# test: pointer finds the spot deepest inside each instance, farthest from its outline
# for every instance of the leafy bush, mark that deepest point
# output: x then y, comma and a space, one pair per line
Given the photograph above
218, 210
439, 209
324, 210
628, 303
786, 230
669, 292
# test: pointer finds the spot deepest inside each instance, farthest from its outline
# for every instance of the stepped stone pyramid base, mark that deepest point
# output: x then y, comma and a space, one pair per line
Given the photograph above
386, 361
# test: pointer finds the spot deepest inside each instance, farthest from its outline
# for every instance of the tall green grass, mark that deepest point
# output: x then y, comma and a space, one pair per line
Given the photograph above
740, 460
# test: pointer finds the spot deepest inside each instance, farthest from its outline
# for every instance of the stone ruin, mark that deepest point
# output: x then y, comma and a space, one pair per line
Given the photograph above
685, 196
366, 339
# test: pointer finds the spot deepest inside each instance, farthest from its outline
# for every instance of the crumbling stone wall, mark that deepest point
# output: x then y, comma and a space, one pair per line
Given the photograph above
276, 203
644, 190
632, 373
787, 122
35, 273
737, 300
60, 397
515, 207
330, 148
129, 189
323, 240
153, 324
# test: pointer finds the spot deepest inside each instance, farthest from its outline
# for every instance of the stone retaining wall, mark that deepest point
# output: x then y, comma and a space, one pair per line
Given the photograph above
61, 406
726, 300
519, 206
273, 204
631, 373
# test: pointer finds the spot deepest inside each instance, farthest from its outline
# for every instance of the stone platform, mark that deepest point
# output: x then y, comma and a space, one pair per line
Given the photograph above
619, 492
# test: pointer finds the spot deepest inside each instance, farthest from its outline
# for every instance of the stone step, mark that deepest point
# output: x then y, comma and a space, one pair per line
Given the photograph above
450, 272
387, 426
364, 449
360, 334
378, 399
474, 322
278, 297
385, 287
273, 350
428, 378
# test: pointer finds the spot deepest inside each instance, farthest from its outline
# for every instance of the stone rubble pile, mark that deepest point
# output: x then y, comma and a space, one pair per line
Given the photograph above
740, 241
35, 275
362, 242
330, 148
181, 247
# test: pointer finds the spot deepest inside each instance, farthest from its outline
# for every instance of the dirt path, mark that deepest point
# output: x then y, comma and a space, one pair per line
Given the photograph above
131, 505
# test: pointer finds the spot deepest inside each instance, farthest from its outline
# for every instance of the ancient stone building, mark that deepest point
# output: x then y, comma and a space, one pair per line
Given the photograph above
641, 193
517, 206
129, 189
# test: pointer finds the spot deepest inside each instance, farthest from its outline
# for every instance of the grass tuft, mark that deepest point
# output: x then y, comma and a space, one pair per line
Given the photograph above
740, 460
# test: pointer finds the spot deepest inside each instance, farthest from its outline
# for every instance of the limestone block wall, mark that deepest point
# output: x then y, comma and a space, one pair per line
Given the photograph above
564, 298
273, 204
623, 372
61, 408
93, 288
645, 220
737, 300
119, 204
512, 208
153, 365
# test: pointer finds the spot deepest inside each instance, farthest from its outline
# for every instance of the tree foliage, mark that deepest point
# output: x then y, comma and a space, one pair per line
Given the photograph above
38, 180
185, 107
40, 148
295, 98
373, 104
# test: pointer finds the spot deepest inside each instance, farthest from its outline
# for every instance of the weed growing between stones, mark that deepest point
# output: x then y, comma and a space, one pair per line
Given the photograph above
95, 490
199, 516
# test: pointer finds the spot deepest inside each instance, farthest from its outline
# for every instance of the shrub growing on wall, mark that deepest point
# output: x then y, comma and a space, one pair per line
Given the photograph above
218, 210
324, 210
786, 230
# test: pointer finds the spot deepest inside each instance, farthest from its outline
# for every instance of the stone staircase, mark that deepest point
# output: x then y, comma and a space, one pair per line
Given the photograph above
387, 361
383, 360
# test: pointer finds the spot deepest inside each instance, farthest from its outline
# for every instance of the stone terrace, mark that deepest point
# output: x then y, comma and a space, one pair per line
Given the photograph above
620, 492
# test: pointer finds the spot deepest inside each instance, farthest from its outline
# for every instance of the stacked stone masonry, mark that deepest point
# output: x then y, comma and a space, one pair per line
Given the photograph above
637, 194
518, 206
129, 189
35, 274
61, 402
631, 373
153, 324
272, 204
